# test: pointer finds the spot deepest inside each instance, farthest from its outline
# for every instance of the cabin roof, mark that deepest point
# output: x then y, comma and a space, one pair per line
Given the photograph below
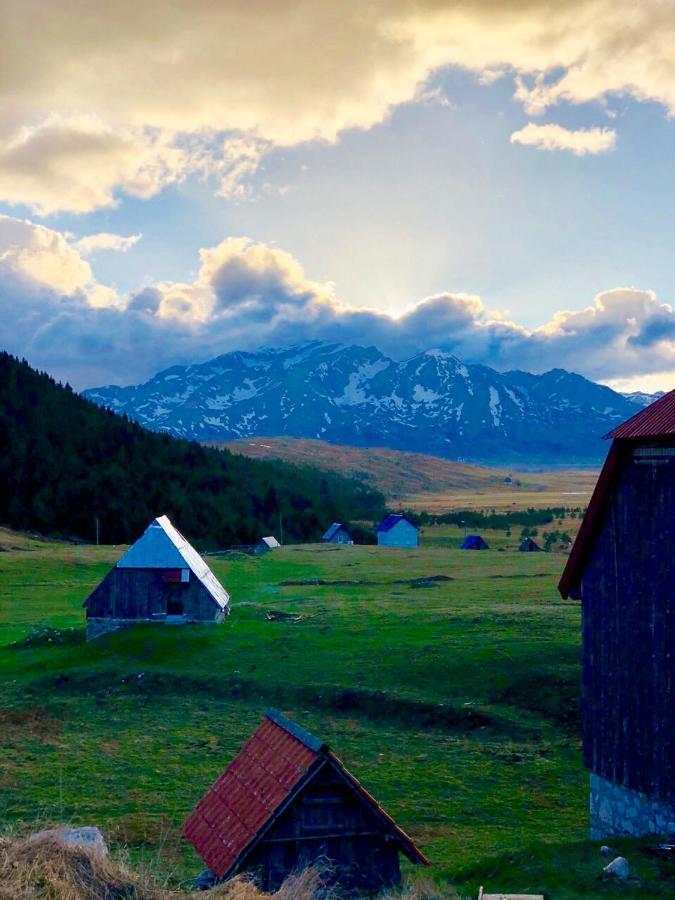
474, 540
654, 422
258, 785
162, 546
391, 520
332, 531
269, 541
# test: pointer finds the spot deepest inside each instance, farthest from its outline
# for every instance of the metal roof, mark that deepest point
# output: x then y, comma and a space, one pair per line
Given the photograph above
388, 523
273, 765
270, 542
656, 420
332, 531
162, 546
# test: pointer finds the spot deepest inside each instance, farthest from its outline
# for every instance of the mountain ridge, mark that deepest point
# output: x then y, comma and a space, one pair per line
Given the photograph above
431, 402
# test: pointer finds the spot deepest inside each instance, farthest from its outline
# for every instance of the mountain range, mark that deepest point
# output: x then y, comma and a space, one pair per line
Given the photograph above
432, 402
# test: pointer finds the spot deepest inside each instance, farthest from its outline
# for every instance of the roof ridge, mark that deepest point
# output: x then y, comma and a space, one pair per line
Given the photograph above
296, 731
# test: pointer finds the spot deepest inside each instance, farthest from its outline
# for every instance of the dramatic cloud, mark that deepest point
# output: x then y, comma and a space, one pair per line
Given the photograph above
93, 243
246, 294
136, 97
554, 137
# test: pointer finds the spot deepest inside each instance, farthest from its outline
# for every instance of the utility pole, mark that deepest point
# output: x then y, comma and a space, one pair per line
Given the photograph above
97, 531
281, 529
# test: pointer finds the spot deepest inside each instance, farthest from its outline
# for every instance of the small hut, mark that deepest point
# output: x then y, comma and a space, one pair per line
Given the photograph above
397, 531
266, 544
621, 568
285, 803
161, 578
529, 546
337, 534
474, 542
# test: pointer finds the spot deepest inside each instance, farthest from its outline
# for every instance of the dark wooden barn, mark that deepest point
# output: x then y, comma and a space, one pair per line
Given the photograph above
287, 802
161, 578
527, 545
622, 567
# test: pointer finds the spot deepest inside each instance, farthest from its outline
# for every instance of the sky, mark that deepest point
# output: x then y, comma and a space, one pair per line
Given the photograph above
491, 177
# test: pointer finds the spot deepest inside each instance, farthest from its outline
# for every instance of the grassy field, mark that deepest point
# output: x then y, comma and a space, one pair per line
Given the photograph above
447, 681
419, 482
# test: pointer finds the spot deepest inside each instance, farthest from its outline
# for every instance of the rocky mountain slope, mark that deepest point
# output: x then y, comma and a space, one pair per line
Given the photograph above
431, 403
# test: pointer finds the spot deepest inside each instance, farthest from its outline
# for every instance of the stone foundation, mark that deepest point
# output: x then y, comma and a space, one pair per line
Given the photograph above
98, 627
618, 810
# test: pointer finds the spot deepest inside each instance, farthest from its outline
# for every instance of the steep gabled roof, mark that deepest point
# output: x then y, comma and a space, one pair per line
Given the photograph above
656, 421
258, 785
162, 546
332, 531
388, 523
270, 541
474, 542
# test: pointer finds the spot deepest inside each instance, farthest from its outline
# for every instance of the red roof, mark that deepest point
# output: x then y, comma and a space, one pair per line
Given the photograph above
271, 767
655, 421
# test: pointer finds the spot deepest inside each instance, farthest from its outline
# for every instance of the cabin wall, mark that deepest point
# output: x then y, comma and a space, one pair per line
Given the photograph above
628, 690
403, 534
126, 596
328, 821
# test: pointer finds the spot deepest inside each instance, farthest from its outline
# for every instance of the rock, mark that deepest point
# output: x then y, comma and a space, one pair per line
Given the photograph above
618, 868
89, 837
607, 851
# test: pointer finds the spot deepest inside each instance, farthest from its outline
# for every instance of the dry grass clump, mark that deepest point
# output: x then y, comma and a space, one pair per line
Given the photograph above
45, 868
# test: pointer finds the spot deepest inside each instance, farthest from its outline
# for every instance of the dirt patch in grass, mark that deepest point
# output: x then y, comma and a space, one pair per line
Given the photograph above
32, 722
422, 581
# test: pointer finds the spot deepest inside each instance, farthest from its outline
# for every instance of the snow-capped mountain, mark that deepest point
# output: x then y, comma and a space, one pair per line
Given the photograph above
431, 403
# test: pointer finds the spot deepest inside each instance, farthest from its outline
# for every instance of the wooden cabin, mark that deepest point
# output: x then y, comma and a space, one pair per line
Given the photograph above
286, 802
162, 579
474, 542
527, 545
265, 544
397, 531
337, 534
622, 567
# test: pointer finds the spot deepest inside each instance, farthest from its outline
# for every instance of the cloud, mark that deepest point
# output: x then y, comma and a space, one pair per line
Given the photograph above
247, 294
554, 137
93, 243
129, 101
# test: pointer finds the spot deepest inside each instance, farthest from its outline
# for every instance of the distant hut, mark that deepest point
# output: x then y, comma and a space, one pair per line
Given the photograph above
474, 542
161, 578
266, 544
287, 802
529, 546
397, 531
622, 568
337, 534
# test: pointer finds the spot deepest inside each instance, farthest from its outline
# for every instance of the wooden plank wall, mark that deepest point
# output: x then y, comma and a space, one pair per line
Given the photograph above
628, 591
143, 594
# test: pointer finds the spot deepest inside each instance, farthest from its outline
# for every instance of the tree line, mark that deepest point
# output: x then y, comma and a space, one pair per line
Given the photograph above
66, 465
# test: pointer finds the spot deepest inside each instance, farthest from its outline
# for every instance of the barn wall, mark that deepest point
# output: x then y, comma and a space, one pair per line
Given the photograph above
628, 691
328, 820
403, 534
142, 594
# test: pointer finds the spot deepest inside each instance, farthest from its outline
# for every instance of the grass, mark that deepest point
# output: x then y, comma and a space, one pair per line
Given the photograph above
454, 699
420, 482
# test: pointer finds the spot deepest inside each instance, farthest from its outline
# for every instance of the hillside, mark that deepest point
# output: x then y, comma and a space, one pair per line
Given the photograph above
431, 403
446, 681
418, 481
64, 463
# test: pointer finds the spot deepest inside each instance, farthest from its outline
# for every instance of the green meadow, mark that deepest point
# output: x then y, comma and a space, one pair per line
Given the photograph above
446, 680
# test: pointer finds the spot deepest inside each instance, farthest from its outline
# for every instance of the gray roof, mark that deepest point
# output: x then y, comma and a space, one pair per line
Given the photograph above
162, 546
269, 541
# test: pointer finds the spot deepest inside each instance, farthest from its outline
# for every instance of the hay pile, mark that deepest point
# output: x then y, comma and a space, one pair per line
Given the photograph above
43, 867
